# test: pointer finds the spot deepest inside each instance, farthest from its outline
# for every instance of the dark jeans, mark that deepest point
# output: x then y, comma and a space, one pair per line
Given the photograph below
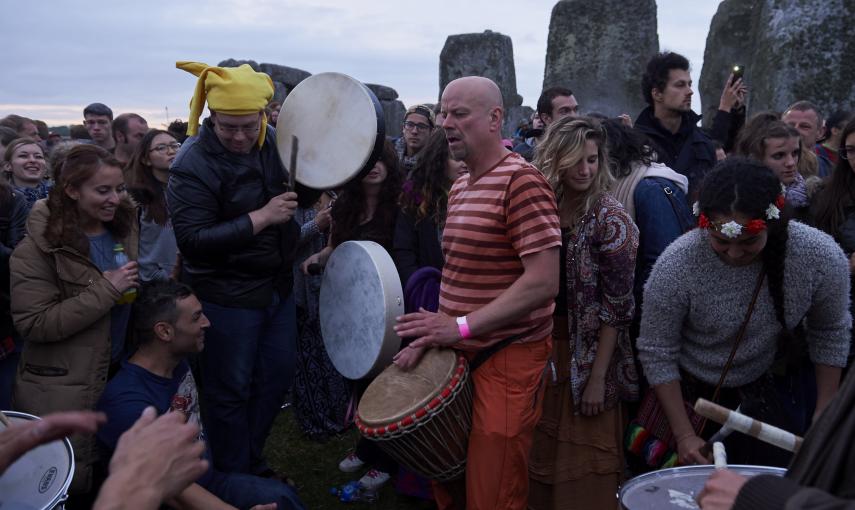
247, 367
245, 491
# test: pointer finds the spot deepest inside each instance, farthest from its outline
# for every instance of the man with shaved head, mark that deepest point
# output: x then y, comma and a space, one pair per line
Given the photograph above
501, 242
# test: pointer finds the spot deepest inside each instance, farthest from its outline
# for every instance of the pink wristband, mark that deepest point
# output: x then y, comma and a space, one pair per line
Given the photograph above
463, 328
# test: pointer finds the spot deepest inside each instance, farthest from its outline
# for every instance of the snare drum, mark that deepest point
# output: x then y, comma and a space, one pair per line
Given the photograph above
39, 480
422, 417
677, 487
360, 299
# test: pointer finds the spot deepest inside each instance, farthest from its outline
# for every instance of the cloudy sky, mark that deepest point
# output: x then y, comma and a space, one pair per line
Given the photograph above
61, 55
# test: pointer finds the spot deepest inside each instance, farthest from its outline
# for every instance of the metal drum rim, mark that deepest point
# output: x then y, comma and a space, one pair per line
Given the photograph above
62, 495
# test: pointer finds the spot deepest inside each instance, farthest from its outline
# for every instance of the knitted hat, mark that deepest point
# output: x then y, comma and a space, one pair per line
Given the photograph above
228, 90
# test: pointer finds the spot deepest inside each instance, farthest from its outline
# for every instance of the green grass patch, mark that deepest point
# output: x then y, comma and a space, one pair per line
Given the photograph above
313, 466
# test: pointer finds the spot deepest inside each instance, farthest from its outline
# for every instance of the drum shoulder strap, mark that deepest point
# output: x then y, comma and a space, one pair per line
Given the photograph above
485, 354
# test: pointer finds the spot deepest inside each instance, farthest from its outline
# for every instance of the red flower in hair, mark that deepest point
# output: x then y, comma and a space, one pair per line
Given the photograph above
703, 221
754, 227
780, 201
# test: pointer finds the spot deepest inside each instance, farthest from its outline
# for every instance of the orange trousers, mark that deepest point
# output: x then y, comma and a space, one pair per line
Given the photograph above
506, 407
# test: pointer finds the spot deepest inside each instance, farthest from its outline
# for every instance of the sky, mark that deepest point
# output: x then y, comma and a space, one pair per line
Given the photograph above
64, 54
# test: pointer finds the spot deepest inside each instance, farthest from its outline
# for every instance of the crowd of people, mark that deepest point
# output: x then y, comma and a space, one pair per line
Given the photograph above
602, 274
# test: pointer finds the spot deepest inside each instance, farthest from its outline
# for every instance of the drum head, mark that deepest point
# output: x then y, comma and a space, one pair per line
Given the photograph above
396, 393
339, 124
678, 487
39, 479
360, 298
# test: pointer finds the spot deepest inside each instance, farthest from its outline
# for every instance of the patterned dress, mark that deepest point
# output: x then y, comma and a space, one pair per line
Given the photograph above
321, 394
576, 460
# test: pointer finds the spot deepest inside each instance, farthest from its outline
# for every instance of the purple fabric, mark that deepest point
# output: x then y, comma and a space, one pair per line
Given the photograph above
422, 290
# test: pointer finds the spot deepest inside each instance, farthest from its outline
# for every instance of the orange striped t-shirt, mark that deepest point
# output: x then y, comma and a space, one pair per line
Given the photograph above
492, 222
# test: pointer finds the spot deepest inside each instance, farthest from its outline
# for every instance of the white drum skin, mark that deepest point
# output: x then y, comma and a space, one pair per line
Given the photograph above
39, 480
335, 120
361, 297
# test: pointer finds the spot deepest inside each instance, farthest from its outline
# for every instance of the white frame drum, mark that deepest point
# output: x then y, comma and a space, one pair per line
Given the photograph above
31, 472
360, 299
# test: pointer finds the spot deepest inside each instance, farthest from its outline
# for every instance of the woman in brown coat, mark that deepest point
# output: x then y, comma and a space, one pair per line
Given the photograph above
65, 287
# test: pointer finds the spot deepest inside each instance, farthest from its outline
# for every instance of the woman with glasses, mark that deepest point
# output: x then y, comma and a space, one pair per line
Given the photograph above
147, 173
25, 168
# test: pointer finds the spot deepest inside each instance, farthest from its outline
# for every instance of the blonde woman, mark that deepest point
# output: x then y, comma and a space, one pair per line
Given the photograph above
577, 458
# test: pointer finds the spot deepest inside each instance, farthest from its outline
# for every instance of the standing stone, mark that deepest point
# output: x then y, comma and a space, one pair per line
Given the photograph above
801, 49
393, 110
489, 54
730, 41
599, 50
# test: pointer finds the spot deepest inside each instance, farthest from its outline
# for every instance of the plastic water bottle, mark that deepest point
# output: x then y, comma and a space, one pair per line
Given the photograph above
121, 259
353, 492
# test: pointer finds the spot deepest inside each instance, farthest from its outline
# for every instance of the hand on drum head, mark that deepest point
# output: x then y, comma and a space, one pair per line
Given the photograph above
154, 460
721, 489
408, 357
429, 328
20, 438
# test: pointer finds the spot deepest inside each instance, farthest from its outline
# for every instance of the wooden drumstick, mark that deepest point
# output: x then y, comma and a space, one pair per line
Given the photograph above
5, 419
292, 171
748, 425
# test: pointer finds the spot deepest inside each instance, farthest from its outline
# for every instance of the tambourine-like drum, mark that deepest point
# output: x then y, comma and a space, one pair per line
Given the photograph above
422, 417
677, 487
39, 480
360, 299
339, 124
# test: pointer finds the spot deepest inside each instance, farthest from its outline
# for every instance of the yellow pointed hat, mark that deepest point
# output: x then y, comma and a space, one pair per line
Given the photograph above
228, 90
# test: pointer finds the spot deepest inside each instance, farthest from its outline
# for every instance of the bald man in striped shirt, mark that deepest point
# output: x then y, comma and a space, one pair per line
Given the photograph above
500, 278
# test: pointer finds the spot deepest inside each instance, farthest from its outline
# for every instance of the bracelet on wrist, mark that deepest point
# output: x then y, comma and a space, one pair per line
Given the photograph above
463, 328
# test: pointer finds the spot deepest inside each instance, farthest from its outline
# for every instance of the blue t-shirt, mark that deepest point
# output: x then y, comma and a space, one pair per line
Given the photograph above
134, 388
101, 254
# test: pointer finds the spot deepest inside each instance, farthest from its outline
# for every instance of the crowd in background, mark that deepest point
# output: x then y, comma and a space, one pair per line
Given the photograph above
670, 232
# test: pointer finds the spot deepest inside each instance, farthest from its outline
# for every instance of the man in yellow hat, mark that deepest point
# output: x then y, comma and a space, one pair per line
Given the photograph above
231, 212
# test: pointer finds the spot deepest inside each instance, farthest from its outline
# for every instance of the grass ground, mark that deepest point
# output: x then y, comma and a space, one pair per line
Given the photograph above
314, 467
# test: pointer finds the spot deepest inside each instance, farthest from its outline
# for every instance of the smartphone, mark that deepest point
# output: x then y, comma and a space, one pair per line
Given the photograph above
738, 73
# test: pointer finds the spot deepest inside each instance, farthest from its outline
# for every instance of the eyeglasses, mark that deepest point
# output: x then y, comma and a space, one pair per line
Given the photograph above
847, 152
416, 126
163, 147
99, 122
233, 130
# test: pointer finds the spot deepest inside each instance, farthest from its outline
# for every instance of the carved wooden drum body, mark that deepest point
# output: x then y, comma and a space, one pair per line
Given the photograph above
422, 417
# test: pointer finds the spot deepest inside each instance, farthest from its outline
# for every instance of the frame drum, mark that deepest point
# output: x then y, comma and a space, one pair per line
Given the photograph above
360, 298
39, 480
339, 124
677, 487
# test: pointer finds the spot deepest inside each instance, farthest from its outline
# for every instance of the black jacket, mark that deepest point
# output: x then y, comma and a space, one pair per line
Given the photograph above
210, 195
415, 245
689, 151
13, 228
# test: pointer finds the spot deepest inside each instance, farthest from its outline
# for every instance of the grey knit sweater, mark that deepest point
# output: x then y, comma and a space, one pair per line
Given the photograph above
694, 304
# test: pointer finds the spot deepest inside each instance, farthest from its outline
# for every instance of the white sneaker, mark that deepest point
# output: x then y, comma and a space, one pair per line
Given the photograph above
351, 463
374, 479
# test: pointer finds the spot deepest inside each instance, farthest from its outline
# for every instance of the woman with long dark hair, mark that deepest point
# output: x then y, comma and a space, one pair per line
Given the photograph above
746, 250
147, 173
833, 207
67, 287
577, 454
424, 202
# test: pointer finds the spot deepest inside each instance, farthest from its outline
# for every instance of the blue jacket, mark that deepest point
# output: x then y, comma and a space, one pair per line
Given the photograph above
660, 220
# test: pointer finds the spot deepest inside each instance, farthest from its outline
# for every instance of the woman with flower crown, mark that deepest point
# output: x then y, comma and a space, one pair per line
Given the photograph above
698, 296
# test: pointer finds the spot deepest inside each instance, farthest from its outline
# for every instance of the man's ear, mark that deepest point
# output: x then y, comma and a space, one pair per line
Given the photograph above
163, 331
656, 94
